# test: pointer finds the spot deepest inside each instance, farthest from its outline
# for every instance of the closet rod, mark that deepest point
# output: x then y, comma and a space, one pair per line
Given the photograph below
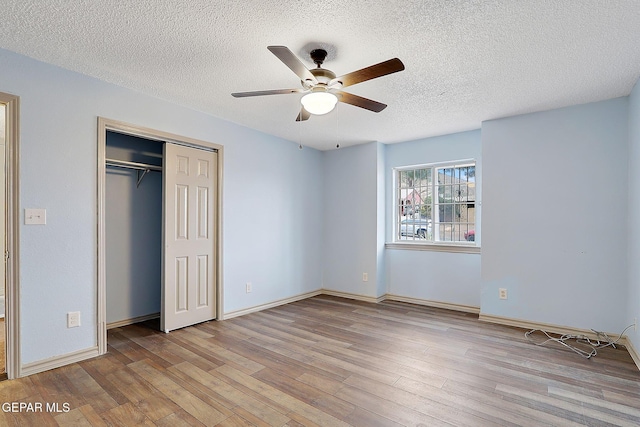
133, 165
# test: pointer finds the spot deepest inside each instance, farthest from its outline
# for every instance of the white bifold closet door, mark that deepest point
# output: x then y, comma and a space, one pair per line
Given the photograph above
189, 279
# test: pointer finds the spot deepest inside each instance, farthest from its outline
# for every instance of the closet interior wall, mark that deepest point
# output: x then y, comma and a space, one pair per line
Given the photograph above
133, 221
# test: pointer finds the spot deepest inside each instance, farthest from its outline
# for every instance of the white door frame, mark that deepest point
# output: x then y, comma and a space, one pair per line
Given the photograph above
105, 125
12, 232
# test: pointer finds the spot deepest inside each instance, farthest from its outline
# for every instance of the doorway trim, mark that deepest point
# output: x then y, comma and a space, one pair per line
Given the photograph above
105, 125
12, 230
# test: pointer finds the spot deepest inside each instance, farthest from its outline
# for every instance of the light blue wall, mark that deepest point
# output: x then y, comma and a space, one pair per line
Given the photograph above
452, 278
268, 183
351, 219
273, 224
633, 257
554, 219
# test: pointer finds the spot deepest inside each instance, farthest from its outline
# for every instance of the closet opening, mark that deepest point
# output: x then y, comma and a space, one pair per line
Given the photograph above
133, 221
159, 204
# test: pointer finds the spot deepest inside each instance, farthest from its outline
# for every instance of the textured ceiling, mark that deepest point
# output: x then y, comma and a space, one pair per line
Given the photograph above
466, 61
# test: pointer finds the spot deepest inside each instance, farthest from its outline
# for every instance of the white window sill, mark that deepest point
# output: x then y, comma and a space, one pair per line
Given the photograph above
434, 247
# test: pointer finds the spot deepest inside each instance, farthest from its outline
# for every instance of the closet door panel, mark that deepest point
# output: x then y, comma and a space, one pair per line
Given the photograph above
189, 193
182, 203
203, 213
203, 280
181, 284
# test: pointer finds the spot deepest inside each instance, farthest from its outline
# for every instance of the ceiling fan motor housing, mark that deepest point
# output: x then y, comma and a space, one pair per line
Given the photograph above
322, 75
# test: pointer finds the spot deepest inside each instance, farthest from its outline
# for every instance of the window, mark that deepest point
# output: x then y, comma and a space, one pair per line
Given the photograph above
436, 203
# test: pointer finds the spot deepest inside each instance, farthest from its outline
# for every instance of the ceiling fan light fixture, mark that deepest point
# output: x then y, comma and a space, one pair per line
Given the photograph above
323, 89
319, 103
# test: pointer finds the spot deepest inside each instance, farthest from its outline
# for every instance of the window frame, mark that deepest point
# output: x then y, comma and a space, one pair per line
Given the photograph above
446, 246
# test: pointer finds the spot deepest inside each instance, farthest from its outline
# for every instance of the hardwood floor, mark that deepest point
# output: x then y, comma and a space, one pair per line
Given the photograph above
327, 361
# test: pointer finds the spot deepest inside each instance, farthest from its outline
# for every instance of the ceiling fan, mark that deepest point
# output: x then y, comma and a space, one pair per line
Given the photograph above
321, 86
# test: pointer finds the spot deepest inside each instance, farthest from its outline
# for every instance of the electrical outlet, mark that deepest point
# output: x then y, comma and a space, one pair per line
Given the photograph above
502, 293
365, 277
73, 319
248, 287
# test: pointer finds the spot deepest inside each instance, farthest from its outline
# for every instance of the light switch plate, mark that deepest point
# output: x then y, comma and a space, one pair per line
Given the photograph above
35, 216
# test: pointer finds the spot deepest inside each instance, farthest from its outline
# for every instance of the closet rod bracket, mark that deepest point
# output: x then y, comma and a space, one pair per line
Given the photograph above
141, 176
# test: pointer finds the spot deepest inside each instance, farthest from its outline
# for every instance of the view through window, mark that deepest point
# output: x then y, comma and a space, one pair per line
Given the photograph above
436, 203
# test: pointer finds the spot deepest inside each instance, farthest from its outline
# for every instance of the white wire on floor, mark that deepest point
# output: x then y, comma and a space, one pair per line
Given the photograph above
602, 340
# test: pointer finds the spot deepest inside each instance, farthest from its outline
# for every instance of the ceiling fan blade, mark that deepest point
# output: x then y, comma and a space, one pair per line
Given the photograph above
303, 115
358, 101
266, 92
378, 70
290, 60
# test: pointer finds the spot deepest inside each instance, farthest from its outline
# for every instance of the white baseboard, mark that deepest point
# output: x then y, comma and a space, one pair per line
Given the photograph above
392, 297
57, 361
348, 295
632, 351
133, 320
357, 297
548, 327
430, 303
272, 304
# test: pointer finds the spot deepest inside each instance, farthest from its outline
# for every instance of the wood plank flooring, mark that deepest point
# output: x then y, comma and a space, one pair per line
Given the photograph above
328, 361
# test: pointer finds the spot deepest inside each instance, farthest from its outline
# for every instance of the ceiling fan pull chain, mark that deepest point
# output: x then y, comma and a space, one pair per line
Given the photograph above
337, 142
